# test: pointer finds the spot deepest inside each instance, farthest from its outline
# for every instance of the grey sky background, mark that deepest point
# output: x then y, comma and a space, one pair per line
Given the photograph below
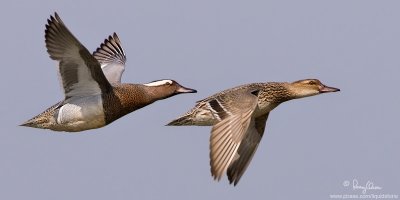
311, 146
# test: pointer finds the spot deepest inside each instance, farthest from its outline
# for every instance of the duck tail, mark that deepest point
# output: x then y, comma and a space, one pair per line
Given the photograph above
43, 120
28, 123
36, 122
195, 117
181, 121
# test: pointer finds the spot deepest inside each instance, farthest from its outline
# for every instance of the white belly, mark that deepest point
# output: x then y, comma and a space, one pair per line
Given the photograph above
81, 114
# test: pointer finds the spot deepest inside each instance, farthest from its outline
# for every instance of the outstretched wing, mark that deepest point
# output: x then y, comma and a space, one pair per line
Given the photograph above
247, 149
80, 72
112, 58
236, 114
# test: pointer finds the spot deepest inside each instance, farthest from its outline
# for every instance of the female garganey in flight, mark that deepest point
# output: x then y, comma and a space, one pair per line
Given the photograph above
238, 116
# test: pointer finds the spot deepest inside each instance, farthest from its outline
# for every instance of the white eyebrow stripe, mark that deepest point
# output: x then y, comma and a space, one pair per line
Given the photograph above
158, 83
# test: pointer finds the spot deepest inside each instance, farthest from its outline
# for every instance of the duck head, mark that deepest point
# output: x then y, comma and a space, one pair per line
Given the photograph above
167, 88
309, 87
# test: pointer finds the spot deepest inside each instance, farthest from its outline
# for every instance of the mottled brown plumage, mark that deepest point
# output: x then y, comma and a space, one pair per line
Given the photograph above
238, 116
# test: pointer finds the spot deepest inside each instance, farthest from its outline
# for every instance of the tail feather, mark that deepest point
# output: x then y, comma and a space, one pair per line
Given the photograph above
194, 119
181, 121
27, 124
44, 119
200, 115
37, 122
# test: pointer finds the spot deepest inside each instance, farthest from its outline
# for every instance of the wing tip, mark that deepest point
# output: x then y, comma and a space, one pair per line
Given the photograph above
52, 29
110, 50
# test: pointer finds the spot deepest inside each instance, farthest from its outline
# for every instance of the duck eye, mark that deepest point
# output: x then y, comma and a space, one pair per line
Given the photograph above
312, 83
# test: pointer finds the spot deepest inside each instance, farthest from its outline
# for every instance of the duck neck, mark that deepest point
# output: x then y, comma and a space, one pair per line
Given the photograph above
125, 99
276, 93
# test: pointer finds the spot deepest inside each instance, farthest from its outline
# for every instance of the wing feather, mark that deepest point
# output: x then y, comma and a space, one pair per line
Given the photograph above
80, 72
112, 58
227, 135
247, 149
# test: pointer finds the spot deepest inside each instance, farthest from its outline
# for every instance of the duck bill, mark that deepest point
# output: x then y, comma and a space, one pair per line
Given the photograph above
326, 89
182, 89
